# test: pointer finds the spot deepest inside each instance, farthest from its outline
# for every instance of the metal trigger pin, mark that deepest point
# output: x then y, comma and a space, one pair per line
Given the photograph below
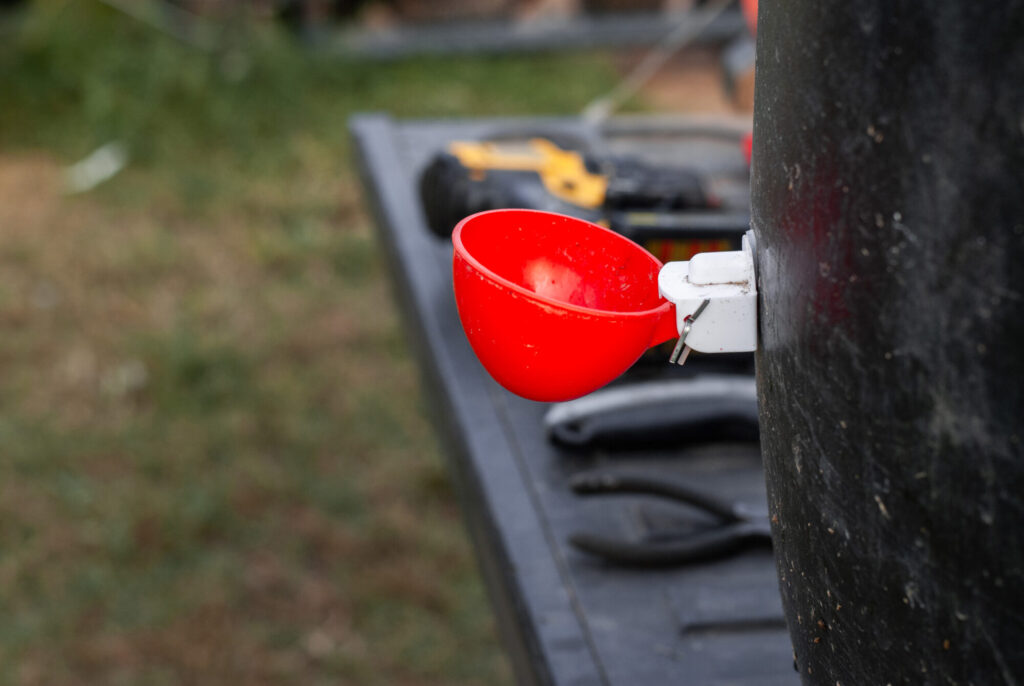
682, 351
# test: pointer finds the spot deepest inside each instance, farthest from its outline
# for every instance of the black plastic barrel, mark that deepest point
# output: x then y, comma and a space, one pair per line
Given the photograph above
888, 204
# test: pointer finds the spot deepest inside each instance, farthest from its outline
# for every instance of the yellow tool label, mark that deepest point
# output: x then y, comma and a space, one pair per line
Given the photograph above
563, 172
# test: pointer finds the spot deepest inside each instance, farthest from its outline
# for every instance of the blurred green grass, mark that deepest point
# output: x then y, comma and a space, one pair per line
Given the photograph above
215, 467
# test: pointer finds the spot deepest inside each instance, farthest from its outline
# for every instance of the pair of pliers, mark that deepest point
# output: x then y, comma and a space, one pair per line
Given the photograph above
738, 527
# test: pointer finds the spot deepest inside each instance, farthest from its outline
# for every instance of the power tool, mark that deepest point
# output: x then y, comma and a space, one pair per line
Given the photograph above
667, 209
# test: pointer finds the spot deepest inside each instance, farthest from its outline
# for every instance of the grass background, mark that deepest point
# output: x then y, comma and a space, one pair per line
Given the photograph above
214, 466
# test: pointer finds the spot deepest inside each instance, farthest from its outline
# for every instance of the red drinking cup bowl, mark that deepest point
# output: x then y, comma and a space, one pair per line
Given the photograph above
555, 307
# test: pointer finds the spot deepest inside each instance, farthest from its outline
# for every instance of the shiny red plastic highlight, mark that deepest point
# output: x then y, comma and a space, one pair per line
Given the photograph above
555, 307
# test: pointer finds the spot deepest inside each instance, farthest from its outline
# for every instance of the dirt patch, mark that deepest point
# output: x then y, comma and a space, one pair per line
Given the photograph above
690, 82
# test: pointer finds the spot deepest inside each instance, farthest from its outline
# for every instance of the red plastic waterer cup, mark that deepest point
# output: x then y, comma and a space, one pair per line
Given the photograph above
555, 307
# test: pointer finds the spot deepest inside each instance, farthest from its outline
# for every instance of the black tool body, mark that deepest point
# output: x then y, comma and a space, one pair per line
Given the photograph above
642, 201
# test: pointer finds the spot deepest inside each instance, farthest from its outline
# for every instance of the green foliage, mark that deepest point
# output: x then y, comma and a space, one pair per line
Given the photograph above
215, 466
79, 74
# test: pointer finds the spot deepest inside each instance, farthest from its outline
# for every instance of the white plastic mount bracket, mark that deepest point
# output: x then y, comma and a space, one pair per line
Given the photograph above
728, 322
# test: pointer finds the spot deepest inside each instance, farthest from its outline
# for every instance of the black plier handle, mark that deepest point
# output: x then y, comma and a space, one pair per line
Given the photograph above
737, 530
